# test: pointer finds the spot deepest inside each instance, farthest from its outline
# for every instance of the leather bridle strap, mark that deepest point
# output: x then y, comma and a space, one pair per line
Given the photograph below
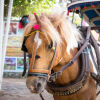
57, 74
33, 57
53, 58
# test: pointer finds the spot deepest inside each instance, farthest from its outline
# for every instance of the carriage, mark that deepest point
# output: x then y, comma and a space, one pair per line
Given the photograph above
60, 56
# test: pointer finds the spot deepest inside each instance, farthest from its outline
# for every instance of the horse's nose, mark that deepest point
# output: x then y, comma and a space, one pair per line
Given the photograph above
38, 86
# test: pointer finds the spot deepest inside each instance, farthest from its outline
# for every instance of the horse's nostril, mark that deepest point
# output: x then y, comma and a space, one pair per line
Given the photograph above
39, 85
37, 56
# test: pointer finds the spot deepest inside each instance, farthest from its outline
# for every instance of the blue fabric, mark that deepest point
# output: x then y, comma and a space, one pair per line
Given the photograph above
91, 14
97, 22
27, 21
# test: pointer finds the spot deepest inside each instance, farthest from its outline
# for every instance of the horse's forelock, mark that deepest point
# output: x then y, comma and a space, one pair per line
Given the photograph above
48, 28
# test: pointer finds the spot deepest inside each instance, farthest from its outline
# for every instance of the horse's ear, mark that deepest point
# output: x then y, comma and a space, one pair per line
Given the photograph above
59, 19
32, 18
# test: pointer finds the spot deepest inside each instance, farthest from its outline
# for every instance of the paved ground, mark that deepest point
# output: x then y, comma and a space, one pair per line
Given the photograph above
15, 89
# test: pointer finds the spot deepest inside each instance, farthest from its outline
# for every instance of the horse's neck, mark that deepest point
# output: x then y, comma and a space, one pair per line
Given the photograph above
70, 73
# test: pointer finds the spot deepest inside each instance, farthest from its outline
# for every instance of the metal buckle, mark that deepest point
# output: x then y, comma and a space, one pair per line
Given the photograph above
54, 76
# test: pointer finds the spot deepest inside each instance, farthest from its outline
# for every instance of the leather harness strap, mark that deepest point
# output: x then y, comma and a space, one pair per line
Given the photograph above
39, 71
53, 58
33, 57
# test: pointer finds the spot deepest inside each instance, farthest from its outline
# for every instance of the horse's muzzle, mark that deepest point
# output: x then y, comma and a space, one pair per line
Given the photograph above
36, 84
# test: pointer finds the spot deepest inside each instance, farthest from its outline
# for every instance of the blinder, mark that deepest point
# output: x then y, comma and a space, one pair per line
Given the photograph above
23, 45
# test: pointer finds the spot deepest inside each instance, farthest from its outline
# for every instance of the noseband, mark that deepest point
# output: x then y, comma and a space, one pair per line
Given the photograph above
34, 71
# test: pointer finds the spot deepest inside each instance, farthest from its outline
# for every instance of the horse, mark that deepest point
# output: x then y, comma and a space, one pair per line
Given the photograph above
51, 41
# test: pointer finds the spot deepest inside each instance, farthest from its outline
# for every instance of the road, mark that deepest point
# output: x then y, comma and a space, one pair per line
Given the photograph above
15, 89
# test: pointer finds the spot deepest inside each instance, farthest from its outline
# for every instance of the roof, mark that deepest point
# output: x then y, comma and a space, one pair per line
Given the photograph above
89, 8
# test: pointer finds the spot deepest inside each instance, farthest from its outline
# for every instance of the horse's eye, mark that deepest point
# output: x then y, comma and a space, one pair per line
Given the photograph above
50, 45
37, 57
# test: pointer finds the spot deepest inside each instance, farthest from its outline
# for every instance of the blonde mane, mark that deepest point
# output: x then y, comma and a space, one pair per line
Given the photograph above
57, 26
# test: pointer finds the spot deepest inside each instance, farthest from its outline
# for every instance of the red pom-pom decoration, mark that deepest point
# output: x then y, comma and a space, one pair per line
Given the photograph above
36, 27
71, 10
34, 13
20, 25
75, 8
93, 6
85, 7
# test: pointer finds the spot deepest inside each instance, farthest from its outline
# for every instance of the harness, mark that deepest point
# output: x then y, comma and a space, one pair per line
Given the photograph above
70, 88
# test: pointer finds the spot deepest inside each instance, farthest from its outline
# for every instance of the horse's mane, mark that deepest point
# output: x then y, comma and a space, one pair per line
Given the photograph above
57, 26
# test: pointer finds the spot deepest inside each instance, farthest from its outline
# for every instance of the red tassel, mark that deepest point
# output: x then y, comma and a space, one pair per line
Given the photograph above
71, 10
85, 7
34, 13
20, 25
93, 6
36, 27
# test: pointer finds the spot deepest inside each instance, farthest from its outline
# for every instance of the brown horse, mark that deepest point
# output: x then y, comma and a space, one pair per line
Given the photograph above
55, 31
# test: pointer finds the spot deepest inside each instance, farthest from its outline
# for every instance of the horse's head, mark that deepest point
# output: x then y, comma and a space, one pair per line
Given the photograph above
42, 46
41, 61
46, 46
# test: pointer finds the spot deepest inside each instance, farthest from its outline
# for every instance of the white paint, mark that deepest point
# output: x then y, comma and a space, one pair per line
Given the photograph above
38, 40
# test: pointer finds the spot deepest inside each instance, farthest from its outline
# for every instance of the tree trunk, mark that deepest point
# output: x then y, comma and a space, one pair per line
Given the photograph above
1, 36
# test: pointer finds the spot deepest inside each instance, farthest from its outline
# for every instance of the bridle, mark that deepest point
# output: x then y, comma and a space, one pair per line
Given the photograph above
33, 71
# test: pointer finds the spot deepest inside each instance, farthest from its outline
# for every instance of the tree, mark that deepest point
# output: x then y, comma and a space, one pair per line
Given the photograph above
23, 7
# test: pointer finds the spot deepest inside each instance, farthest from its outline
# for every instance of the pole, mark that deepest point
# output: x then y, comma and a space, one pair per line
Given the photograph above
1, 36
73, 17
6, 34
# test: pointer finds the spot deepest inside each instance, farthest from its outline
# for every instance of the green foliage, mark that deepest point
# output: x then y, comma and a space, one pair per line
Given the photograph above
24, 7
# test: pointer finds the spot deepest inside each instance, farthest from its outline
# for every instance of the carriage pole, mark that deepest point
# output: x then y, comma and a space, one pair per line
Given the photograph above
1, 36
